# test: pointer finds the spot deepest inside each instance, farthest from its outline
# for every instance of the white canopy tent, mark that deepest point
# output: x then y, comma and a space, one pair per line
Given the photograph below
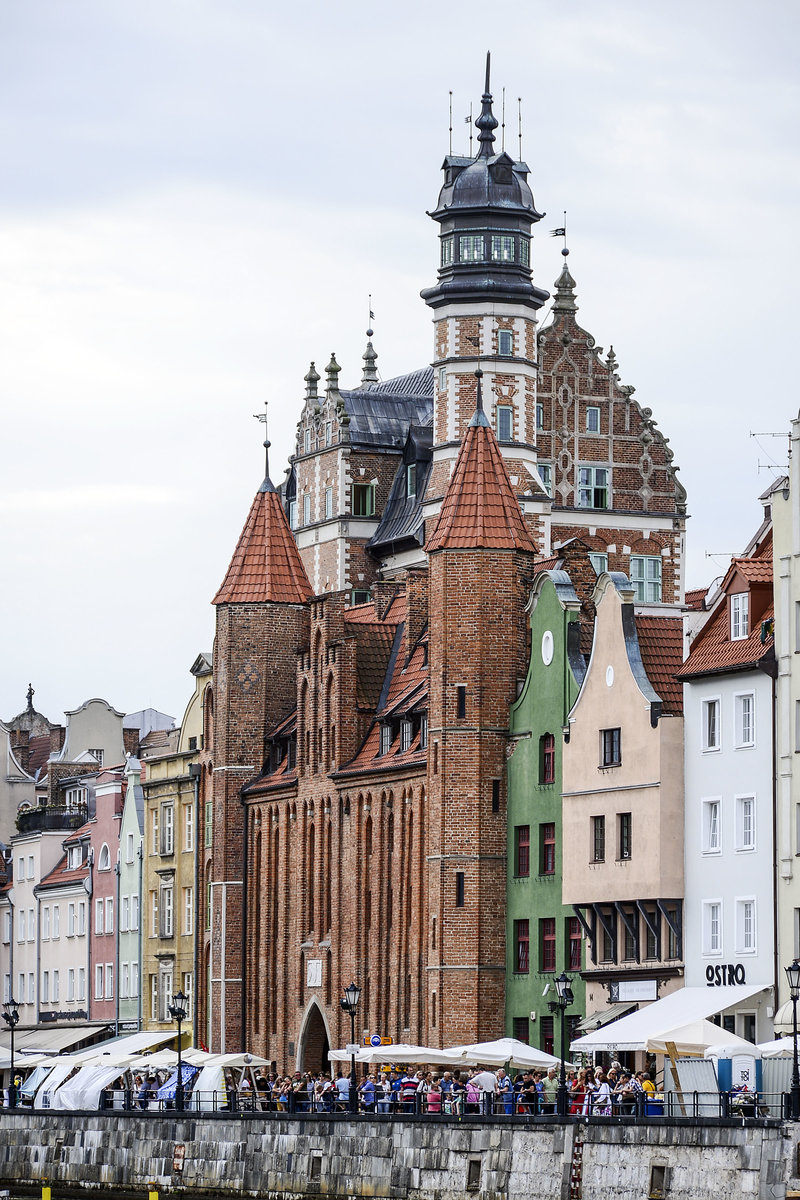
780, 1048
400, 1053
653, 1021
701, 1039
505, 1050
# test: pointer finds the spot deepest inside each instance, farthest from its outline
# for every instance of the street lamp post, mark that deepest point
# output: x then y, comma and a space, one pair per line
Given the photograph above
793, 976
11, 1017
349, 1003
178, 1010
565, 998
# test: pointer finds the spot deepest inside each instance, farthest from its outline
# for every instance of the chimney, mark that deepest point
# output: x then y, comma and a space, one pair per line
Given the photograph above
130, 740
57, 735
416, 607
20, 748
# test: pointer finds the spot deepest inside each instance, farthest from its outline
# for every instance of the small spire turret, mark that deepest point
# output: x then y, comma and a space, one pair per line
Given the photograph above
370, 373
311, 381
487, 121
565, 289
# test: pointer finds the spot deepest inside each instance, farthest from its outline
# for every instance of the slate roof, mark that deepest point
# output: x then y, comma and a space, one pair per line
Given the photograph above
266, 563
401, 520
382, 418
480, 510
416, 383
661, 645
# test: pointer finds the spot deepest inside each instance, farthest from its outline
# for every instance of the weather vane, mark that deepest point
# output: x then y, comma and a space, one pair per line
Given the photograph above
262, 417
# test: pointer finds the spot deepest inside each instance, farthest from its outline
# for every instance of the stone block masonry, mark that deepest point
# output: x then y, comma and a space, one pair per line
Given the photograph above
428, 1159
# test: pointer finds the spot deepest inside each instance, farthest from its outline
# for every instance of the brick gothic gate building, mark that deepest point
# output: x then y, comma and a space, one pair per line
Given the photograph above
371, 632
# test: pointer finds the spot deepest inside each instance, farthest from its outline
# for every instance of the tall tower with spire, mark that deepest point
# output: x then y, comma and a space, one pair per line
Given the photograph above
480, 564
262, 621
485, 307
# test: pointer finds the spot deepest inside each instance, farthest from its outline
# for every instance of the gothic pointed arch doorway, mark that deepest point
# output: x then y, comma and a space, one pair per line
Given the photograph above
312, 1052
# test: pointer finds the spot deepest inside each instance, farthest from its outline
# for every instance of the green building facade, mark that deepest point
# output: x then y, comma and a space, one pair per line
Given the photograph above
543, 936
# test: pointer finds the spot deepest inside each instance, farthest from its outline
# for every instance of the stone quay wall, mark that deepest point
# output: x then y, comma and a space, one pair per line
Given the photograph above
428, 1159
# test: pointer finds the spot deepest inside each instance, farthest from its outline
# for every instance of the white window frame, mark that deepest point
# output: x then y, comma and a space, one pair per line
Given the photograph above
56, 921
81, 918
104, 858
124, 913
599, 561
447, 251
154, 997
134, 913
124, 980
593, 418
154, 913
56, 981
406, 735
385, 739
188, 910
45, 987
21, 925
740, 725
109, 981
743, 846
167, 906
711, 745
307, 508
645, 576
31, 987
134, 980
746, 928
7, 926
71, 919
82, 983
98, 981
46, 923
109, 914
328, 502
99, 909
71, 985
711, 831
188, 991
31, 867
546, 475
471, 248
709, 950
740, 616
589, 486
168, 829
31, 925
154, 843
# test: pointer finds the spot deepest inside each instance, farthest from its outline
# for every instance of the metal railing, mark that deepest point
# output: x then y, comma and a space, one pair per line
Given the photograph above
516, 1107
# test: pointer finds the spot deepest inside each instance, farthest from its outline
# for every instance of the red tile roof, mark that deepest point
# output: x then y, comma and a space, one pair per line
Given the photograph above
547, 564
754, 570
407, 693
480, 510
266, 563
374, 644
695, 599
60, 874
661, 644
714, 650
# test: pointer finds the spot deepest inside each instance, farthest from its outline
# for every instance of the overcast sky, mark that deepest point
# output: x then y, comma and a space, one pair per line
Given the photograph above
197, 197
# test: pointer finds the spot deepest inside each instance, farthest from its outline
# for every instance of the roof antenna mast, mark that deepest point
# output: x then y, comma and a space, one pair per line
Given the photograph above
469, 122
451, 122
519, 118
503, 123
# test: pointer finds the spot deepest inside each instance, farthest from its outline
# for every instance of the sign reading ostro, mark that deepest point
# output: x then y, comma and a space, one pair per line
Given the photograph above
725, 974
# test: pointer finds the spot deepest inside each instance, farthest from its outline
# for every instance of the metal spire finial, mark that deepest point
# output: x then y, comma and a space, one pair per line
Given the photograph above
263, 418
370, 373
479, 416
487, 121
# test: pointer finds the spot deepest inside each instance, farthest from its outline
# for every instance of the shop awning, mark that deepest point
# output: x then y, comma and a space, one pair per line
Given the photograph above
605, 1016
689, 1004
52, 1041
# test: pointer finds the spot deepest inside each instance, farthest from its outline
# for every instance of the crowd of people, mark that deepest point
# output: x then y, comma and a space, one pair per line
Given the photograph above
589, 1090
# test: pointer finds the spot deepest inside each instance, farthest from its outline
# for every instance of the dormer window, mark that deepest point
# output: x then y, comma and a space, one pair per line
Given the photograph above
406, 729
411, 479
502, 248
74, 857
447, 251
740, 616
363, 499
505, 342
470, 248
385, 739
423, 733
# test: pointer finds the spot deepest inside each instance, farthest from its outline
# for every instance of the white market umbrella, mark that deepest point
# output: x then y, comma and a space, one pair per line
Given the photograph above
235, 1060
695, 1038
400, 1053
505, 1050
781, 1048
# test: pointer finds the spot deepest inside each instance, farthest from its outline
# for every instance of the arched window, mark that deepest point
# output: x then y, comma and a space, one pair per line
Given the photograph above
104, 861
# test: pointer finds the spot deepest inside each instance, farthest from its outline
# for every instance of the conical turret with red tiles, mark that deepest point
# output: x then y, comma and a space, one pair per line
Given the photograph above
480, 564
262, 621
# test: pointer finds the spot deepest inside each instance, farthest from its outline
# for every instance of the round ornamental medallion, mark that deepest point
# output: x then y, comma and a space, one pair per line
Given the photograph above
547, 648
248, 676
609, 676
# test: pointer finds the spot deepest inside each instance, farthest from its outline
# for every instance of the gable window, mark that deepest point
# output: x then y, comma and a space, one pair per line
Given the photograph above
411, 479
592, 419
740, 616
502, 247
547, 848
470, 248
547, 944
363, 499
744, 707
599, 562
598, 839
593, 487
547, 758
504, 422
712, 837
98, 754
447, 251
522, 850
745, 822
646, 578
610, 747
546, 475
385, 739
711, 737
406, 729
522, 941
74, 857
625, 835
